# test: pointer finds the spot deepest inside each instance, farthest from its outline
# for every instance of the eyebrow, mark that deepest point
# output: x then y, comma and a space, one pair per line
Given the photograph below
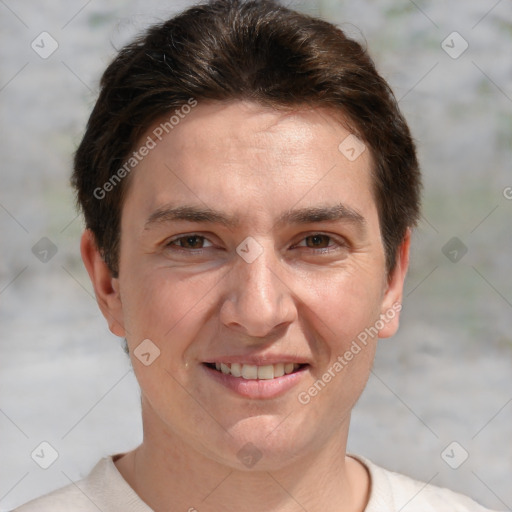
308, 215
190, 214
338, 212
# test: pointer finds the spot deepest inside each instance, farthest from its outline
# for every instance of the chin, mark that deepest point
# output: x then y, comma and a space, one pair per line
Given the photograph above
265, 443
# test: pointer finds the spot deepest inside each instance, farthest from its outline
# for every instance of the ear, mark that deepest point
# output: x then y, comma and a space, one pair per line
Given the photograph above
106, 287
392, 300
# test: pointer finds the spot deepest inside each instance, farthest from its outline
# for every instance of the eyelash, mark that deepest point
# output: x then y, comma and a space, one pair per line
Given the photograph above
171, 243
339, 243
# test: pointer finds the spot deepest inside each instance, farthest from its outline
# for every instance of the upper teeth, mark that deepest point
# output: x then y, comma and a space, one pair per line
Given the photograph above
249, 371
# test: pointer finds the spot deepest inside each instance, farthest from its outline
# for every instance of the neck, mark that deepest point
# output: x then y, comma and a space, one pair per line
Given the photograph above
171, 475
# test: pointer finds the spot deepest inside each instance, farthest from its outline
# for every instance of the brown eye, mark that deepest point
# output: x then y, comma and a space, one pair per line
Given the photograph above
192, 242
318, 241
189, 242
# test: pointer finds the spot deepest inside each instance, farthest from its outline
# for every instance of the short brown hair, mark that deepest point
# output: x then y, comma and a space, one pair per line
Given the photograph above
253, 50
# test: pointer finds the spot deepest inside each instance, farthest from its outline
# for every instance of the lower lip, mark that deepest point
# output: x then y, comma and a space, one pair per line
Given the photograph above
257, 388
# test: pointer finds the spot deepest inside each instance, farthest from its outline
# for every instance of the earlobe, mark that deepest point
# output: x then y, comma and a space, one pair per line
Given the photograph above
106, 287
392, 301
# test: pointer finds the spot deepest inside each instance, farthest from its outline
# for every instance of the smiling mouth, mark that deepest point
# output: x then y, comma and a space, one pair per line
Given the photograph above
253, 372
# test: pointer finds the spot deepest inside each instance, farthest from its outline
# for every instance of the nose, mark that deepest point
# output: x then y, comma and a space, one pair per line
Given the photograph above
258, 302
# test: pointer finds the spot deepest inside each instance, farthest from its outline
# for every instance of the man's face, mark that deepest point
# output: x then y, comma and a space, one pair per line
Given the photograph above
249, 240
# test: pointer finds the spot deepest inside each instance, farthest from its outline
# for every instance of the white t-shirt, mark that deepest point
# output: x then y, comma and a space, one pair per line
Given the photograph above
106, 490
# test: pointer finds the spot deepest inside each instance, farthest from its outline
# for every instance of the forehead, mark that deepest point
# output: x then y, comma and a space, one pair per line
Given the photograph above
238, 153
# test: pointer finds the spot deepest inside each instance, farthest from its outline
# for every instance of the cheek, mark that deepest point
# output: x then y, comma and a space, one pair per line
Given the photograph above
170, 312
345, 312
346, 303
163, 305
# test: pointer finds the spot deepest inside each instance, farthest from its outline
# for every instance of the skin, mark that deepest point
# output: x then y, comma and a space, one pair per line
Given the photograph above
314, 287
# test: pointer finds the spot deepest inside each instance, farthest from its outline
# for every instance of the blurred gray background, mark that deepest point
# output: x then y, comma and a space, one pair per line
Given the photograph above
445, 378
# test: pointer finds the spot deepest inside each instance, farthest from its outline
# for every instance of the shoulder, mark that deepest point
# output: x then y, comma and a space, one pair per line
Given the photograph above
68, 498
392, 491
103, 489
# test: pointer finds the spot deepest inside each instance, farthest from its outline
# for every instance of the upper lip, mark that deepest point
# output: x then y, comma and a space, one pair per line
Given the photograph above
259, 360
